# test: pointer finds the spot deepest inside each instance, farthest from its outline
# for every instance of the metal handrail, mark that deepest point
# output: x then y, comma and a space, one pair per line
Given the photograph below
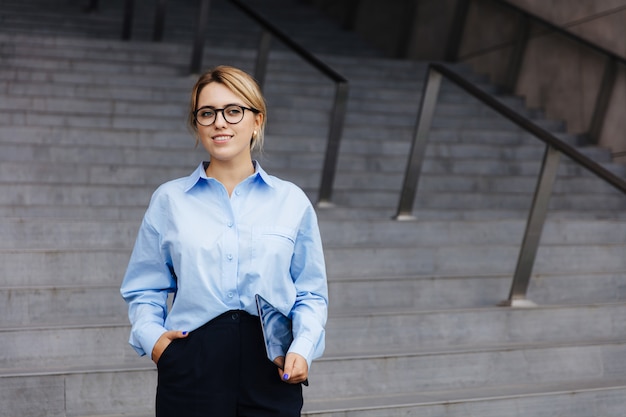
285, 39
554, 148
530, 126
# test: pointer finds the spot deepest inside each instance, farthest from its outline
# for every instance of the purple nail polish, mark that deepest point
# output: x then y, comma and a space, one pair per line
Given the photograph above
185, 333
286, 377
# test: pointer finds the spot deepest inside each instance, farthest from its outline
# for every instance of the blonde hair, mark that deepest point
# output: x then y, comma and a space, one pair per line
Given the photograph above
240, 83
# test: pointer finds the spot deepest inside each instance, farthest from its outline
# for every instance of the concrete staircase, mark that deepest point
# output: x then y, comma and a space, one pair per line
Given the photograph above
89, 126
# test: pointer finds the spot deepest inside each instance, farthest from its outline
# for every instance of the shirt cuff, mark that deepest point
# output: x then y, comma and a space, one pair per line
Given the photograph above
304, 348
147, 338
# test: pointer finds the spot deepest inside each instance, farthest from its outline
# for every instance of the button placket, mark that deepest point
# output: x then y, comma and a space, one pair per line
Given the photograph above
230, 260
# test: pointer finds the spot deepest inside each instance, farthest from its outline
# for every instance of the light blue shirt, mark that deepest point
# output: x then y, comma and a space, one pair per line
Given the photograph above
215, 252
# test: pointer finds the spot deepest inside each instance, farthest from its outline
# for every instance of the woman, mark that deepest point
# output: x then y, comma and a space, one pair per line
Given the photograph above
214, 240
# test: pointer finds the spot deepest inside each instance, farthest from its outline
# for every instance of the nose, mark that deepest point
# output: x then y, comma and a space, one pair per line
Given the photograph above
218, 121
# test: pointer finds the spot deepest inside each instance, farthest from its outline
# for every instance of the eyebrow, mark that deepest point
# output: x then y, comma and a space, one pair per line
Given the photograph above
226, 105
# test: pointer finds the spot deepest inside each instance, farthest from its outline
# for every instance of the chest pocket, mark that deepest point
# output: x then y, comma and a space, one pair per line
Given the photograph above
273, 245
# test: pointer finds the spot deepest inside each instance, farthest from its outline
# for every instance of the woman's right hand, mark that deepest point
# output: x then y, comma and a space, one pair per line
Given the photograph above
164, 341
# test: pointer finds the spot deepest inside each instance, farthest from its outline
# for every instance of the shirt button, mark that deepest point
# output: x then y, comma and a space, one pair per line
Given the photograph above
229, 224
229, 257
230, 295
237, 192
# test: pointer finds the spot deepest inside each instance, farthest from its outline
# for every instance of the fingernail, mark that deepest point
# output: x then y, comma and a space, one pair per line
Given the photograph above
184, 333
286, 377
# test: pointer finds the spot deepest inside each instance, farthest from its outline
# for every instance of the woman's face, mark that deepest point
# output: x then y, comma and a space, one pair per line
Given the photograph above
226, 142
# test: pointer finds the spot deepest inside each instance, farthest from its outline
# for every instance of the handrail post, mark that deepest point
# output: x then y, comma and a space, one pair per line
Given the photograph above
418, 145
199, 36
159, 21
534, 227
262, 57
332, 146
603, 100
127, 23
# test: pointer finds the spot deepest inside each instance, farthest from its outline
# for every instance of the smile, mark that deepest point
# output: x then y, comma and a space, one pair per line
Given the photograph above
222, 138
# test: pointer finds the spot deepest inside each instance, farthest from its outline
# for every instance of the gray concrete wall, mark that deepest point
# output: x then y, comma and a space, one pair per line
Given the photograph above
556, 75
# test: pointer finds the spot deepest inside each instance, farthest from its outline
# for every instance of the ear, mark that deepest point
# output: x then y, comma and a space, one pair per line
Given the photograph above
258, 121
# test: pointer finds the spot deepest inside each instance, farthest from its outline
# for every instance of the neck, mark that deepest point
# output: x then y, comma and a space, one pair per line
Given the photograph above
230, 174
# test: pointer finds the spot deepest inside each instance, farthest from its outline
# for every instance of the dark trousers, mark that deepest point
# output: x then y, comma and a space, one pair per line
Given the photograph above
221, 370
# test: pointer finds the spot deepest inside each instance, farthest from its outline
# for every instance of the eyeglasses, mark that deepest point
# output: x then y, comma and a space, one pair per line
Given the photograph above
233, 114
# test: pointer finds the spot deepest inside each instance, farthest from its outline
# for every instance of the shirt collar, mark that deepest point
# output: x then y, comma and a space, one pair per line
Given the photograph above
200, 172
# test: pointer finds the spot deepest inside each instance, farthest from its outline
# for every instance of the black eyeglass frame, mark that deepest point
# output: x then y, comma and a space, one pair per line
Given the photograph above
243, 109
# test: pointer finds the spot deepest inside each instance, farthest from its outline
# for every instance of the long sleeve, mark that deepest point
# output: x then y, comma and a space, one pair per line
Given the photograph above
145, 288
308, 271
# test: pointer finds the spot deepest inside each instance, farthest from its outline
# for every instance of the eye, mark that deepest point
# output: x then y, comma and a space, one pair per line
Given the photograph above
233, 110
206, 113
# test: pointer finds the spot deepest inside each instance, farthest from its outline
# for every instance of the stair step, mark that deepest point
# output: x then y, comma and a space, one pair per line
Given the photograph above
92, 304
572, 398
64, 393
433, 371
43, 233
564, 367
132, 394
27, 112
471, 260
74, 211
65, 165
136, 212
30, 306
382, 293
144, 172
101, 195
401, 332
83, 346
40, 144
475, 200
349, 337
32, 100
92, 267
179, 138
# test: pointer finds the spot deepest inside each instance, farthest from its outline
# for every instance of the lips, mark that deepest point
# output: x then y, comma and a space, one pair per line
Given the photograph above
221, 138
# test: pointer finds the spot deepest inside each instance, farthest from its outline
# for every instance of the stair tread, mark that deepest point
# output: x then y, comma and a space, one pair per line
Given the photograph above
132, 362
375, 400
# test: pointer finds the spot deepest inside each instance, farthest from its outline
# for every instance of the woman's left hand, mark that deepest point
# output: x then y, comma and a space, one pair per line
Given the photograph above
295, 370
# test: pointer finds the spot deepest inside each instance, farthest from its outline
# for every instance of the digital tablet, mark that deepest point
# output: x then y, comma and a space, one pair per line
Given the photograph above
276, 328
